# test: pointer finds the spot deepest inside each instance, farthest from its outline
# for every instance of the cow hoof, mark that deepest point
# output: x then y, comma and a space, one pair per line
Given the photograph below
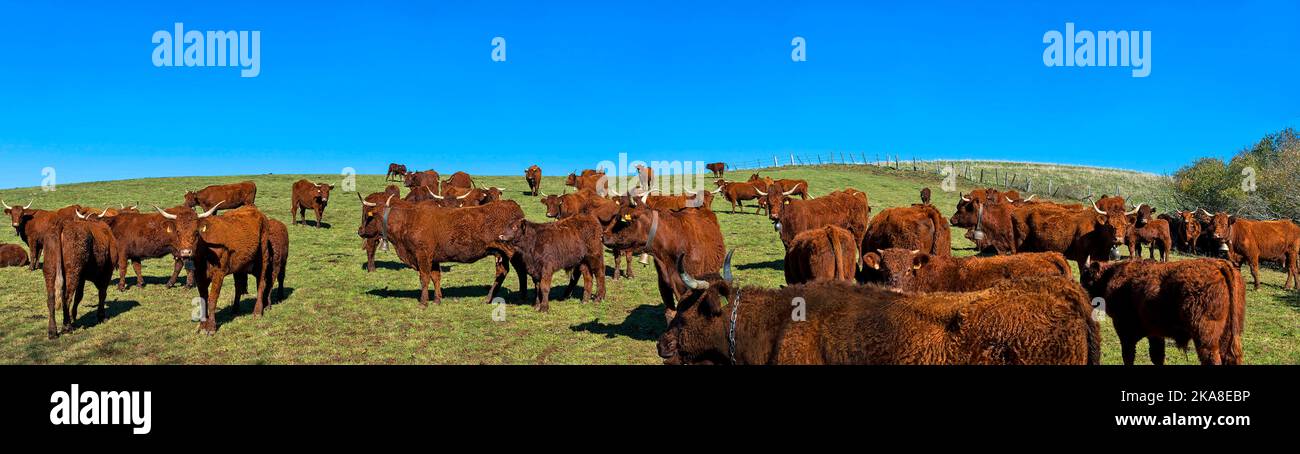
52, 335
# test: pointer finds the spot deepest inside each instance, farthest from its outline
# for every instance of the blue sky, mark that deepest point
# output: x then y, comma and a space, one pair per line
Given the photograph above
362, 84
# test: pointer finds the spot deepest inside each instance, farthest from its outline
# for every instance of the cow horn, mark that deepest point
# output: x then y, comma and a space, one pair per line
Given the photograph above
364, 202
544, 194
645, 196
1094, 206
914, 251
791, 191
123, 205
1031, 197
726, 266
686, 277
715, 191
964, 198
390, 199
2, 202
1134, 210
462, 196
79, 215
211, 210
29, 204
760, 191
1008, 199
164, 213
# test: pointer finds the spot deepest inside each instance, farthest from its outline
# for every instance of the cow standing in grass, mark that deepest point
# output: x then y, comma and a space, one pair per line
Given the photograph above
1249, 241
716, 168
143, 236
572, 244
604, 210
848, 209
818, 255
31, 226
690, 236
236, 242
230, 196
1153, 232
1079, 235
916, 271
395, 172
370, 241
427, 178
918, 227
307, 195
79, 251
533, 175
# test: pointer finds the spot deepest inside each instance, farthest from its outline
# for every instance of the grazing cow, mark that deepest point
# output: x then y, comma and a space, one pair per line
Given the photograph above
1029, 321
590, 179
369, 212
143, 236
916, 271
30, 225
925, 196
79, 251
1199, 300
230, 196
308, 195
718, 168
572, 244
427, 178
737, 192
603, 209
1077, 235
690, 236
988, 224
460, 180
824, 254
918, 227
12, 255
534, 177
1145, 230
1252, 241
233, 243
395, 172
425, 235
848, 209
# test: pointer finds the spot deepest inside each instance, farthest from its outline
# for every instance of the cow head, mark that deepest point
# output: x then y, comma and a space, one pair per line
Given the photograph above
1221, 229
552, 204
1091, 275
775, 199
490, 195
512, 232
1143, 215
19, 215
1191, 226
634, 227
322, 192
571, 180
894, 267
191, 199
1111, 226
186, 228
692, 337
969, 209
371, 211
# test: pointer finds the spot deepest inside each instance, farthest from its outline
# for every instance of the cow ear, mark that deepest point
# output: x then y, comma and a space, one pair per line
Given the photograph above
871, 260
920, 260
1232, 220
1101, 219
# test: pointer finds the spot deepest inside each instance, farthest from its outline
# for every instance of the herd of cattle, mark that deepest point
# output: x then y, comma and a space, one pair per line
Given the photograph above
861, 288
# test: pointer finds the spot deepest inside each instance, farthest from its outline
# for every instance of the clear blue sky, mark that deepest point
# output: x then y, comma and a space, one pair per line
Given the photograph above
362, 84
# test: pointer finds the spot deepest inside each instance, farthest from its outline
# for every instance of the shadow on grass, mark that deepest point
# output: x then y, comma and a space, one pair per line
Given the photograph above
313, 224
644, 323
87, 318
159, 281
386, 265
1291, 298
468, 291
775, 264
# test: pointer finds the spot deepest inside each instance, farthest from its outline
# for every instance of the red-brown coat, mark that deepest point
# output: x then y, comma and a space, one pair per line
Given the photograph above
230, 196
988, 224
369, 212
394, 171
1145, 230
1200, 300
143, 236
824, 254
1251, 241
589, 179
233, 243
918, 227
12, 255
309, 196
586, 201
31, 226
572, 244
848, 209
460, 180
914, 271
533, 175
717, 168
1077, 235
691, 236
737, 192
79, 251
427, 178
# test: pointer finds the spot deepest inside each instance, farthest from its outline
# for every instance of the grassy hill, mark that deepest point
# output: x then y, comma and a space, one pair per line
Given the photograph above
338, 313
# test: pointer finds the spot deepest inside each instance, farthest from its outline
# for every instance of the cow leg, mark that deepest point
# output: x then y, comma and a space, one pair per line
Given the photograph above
1156, 349
293, 213
176, 271
522, 271
544, 292
436, 273
36, 253
600, 277
627, 258
616, 272
1128, 349
503, 268
139, 275
586, 283
319, 213
263, 280
1208, 352
51, 331
77, 293
573, 282
424, 287
241, 287
1254, 270
121, 276
101, 312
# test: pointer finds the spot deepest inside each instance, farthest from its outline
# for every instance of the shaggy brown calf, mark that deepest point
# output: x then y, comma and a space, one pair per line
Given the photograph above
737, 192
232, 243
925, 196
689, 236
395, 171
918, 227
1277, 241
604, 210
307, 195
1030, 321
1079, 235
424, 235
572, 244
1146, 230
915, 271
369, 212
533, 175
1201, 300
230, 196
824, 254
79, 251
31, 226
848, 209
717, 168
12, 255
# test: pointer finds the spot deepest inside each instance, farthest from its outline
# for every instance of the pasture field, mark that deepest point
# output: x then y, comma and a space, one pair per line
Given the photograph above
336, 313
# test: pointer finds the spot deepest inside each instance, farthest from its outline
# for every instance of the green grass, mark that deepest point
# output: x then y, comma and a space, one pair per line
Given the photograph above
338, 313
1059, 181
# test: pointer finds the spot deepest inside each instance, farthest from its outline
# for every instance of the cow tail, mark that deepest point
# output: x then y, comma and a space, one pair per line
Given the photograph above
835, 253
56, 253
1230, 340
1094, 340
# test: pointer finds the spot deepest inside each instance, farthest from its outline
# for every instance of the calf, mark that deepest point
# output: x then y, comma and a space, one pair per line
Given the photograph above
572, 244
1148, 231
395, 171
1200, 300
1277, 241
307, 195
12, 255
824, 254
1030, 321
370, 212
605, 210
918, 227
79, 251
217, 246
925, 196
533, 175
916, 271
848, 209
717, 168
230, 196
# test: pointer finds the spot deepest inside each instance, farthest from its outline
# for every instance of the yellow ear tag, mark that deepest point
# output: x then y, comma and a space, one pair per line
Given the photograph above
627, 217
916, 267
787, 202
370, 213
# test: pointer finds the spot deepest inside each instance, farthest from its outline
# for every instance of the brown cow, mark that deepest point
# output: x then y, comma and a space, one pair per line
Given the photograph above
79, 251
30, 225
701, 199
307, 195
370, 243
395, 171
918, 227
925, 196
1191, 230
143, 236
645, 176
458, 197
848, 209
422, 193
1200, 300
604, 210
1146, 230
1108, 203
425, 235
533, 175
690, 236
824, 254
1177, 230
572, 244
988, 224
1029, 321
230, 196
460, 180
717, 168
1077, 235
916, 271
12, 255
590, 179
737, 192
277, 238
232, 243
427, 178
1276, 241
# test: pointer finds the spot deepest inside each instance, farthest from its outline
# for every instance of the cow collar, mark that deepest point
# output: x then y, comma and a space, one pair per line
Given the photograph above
731, 331
384, 224
654, 228
979, 219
